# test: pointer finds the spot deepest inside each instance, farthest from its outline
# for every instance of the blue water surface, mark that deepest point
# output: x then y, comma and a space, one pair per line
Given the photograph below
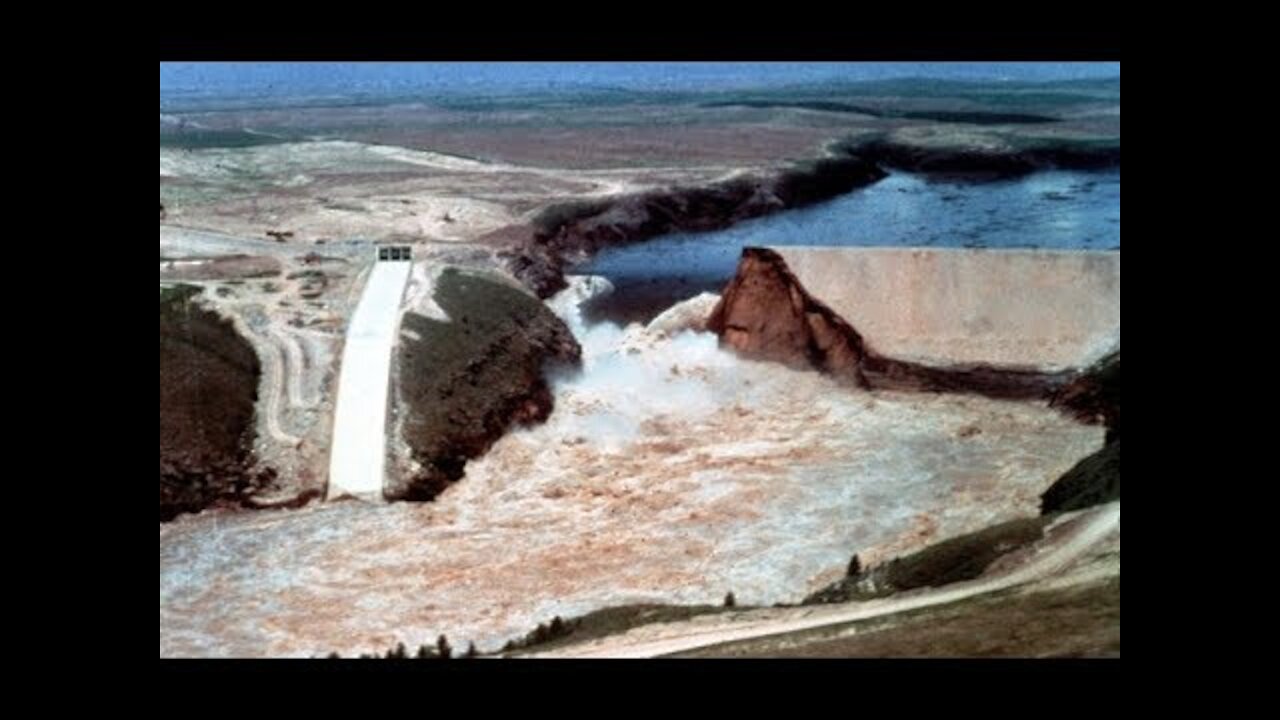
1052, 209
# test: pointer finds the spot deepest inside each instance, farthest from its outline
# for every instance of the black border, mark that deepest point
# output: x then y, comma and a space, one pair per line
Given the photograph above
626, 685
671, 45
179, 666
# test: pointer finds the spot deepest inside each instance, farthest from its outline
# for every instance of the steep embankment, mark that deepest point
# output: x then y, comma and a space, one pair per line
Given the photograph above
467, 379
208, 386
1093, 397
765, 312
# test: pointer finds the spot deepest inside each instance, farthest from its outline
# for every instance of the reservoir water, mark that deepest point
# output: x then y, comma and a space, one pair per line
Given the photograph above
1052, 209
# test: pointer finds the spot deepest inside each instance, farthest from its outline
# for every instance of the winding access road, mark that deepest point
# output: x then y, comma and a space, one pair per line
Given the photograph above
357, 457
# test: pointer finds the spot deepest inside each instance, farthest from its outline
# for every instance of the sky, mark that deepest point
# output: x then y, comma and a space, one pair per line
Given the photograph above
319, 78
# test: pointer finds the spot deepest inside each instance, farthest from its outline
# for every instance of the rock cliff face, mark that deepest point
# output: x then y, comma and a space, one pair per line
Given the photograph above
208, 386
766, 313
464, 382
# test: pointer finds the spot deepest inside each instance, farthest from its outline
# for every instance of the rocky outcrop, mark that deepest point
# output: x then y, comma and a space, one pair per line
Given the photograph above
1092, 397
465, 381
571, 231
208, 386
766, 313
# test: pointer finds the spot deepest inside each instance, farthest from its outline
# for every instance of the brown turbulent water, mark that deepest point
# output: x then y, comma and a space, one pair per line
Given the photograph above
670, 471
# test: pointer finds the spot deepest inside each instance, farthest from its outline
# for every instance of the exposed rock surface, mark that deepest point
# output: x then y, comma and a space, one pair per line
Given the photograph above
208, 386
765, 313
465, 381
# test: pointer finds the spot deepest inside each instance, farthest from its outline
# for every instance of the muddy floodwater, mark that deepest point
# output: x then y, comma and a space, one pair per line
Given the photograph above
671, 471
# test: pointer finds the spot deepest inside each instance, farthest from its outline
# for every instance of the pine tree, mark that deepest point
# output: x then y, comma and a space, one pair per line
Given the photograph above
442, 644
855, 567
730, 600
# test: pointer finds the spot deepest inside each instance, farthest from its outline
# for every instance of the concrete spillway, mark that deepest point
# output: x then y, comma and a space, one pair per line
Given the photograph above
358, 456
1048, 309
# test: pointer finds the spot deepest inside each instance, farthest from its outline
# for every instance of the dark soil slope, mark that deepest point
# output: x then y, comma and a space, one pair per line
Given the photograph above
1092, 397
208, 386
465, 382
